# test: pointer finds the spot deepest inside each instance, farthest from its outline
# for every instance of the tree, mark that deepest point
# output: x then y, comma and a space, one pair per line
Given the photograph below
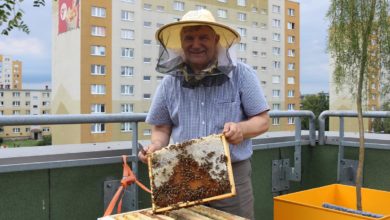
11, 15
355, 27
317, 104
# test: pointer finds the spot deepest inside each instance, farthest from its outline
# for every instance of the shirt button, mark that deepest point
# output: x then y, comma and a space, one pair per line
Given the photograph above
202, 122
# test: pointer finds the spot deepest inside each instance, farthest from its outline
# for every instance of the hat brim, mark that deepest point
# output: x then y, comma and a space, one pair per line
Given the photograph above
170, 33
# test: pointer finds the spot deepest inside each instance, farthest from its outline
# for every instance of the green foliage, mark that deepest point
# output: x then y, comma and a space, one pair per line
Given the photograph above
11, 15
382, 124
317, 104
46, 140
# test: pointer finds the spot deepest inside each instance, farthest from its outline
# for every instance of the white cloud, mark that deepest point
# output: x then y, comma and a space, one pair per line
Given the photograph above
23, 46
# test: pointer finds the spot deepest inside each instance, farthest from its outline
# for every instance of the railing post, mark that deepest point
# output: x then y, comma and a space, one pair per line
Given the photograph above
341, 148
297, 153
134, 152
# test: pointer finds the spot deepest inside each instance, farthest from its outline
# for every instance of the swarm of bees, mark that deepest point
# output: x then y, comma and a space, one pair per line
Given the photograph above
191, 173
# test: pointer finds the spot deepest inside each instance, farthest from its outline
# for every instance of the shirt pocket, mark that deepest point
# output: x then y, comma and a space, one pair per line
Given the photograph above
226, 110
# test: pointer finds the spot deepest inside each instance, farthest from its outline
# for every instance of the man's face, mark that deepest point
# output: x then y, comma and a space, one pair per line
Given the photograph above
199, 44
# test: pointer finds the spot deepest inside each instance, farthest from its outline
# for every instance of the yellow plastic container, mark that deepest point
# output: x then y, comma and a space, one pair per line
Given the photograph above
307, 205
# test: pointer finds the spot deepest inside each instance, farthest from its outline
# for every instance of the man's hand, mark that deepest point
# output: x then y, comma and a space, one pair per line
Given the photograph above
233, 132
142, 154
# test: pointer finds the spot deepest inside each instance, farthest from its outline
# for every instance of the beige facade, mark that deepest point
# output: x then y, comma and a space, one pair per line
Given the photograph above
24, 102
10, 73
123, 71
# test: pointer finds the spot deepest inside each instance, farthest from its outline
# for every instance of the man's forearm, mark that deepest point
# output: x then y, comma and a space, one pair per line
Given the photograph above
161, 135
255, 125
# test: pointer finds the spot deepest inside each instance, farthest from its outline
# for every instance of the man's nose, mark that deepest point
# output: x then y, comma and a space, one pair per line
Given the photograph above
196, 43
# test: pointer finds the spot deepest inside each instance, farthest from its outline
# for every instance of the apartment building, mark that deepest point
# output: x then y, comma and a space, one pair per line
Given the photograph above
10, 73
105, 53
24, 102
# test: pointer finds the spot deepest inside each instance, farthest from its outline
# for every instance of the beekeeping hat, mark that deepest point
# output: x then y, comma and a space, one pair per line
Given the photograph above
169, 34
171, 58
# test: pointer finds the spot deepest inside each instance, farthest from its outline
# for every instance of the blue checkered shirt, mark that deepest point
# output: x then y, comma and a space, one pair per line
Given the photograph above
201, 111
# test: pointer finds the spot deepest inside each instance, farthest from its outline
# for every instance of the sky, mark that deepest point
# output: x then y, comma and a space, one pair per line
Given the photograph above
34, 49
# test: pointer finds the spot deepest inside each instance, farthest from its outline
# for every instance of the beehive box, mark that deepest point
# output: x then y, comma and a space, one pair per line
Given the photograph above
192, 213
307, 204
193, 172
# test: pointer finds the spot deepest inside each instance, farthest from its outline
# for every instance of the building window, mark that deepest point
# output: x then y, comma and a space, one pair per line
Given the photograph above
291, 12
255, 53
291, 93
147, 42
16, 130
98, 12
27, 103
98, 50
276, 36
276, 23
224, 1
275, 106
242, 31
27, 130
1, 103
147, 7
127, 34
276, 9
147, 132
45, 129
1, 94
254, 38
263, 68
276, 93
276, 64
45, 94
242, 46
263, 54
290, 107
127, 15
127, 108
45, 112
98, 31
147, 96
242, 59
291, 120
275, 79
241, 2
178, 6
291, 52
160, 8
126, 127
98, 108
200, 7
147, 24
291, 39
127, 71
15, 94
127, 89
97, 89
291, 25
241, 16
127, 52
45, 103
222, 13
16, 103
291, 66
98, 69
276, 50
159, 78
263, 39
275, 121
290, 80
16, 112
98, 128
147, 78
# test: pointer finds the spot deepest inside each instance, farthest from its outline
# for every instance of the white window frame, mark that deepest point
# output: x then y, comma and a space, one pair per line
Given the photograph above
98, 12
16, 130
276, 106
241, 16
98, 31
97, 69
16, 103
98, 128
290, 25
291, 39
275, 79
222, 13
291, 80
241, 3
291, 12
178, 6
127, 34
276, 23
127, 71
275, 121
276, 51
98, 50
127, 108
242, 31
127, 15
127, 52
126, 127
276, 36
98, 89
276, 93
276, 9
291, 66
290, 107
147, 6
276, 64
291, 120
147, 132
291, 93
291, 52
127, 89
242, 46
98, 108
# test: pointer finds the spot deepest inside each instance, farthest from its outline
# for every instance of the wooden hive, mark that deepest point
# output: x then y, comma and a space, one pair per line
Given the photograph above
190, 173
192, 213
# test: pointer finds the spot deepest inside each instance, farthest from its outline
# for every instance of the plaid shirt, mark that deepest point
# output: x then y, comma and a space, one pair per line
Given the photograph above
201, 111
